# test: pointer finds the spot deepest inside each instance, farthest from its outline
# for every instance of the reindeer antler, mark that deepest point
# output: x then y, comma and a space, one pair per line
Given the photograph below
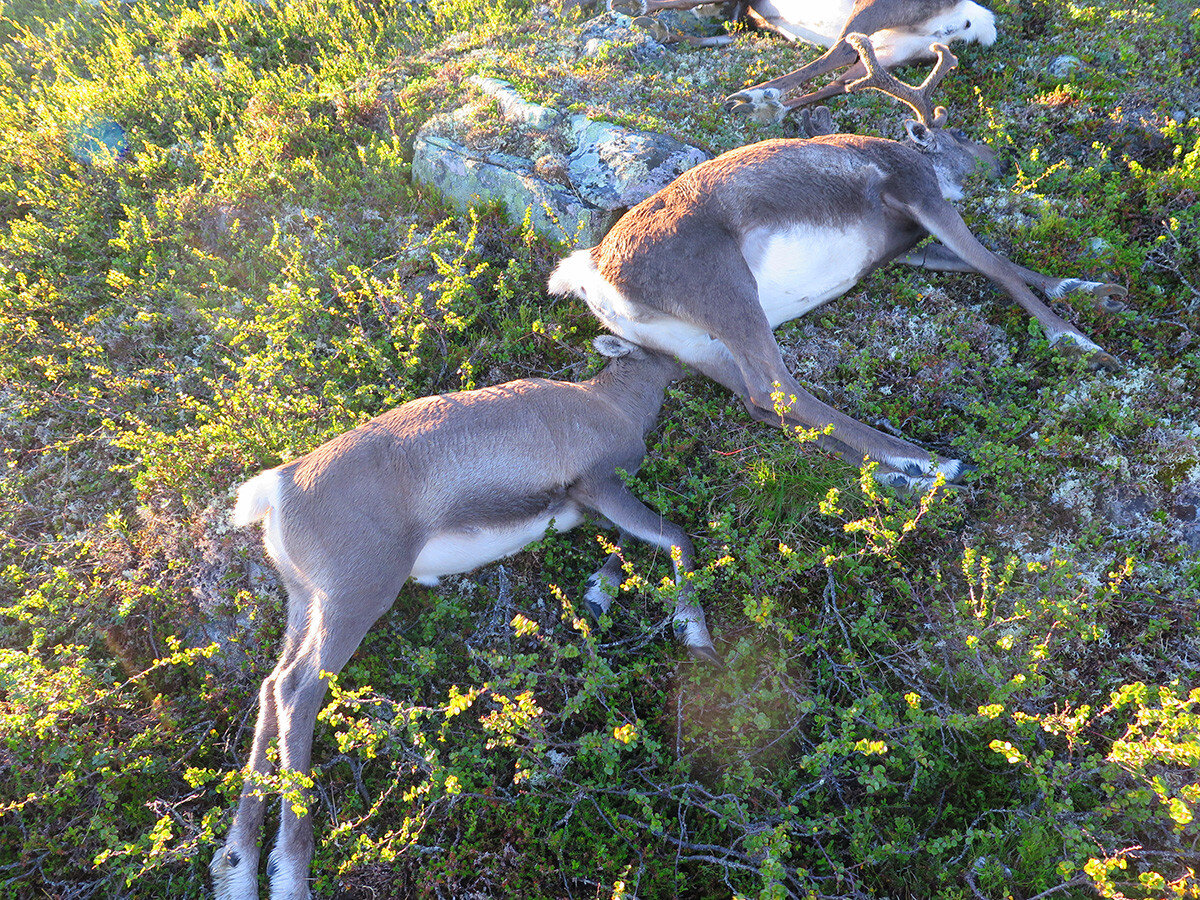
915, 97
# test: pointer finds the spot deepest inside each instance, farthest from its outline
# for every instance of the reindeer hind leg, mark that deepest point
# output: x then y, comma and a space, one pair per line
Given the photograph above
234, 866
758, 375
939, 258
339, 620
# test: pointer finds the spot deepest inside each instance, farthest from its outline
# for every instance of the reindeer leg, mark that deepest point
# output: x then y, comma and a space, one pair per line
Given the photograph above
604, 583
764, 101
234, 866
742, 336
903, 465
942, 220
609, 497
835, 88
936, 258
340, 619
664, 35
939, 258
716, 40
712, 320
327, 620
646, 7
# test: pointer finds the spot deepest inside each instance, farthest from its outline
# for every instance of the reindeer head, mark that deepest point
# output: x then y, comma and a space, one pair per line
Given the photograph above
954, 156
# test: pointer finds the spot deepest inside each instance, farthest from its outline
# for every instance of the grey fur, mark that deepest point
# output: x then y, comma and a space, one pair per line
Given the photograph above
469, 473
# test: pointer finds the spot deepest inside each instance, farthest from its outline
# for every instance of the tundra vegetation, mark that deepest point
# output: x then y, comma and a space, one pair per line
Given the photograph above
212, 259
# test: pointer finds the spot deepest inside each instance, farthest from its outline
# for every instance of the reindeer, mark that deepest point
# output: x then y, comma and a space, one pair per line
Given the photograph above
901, 32
736, 246
437, 486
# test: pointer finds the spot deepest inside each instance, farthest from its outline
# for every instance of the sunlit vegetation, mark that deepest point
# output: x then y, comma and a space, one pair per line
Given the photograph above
212, 259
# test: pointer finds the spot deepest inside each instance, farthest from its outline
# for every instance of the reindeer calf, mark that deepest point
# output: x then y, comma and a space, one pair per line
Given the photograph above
437, 486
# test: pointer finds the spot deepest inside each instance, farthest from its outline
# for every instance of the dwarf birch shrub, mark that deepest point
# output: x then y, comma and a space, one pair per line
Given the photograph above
212, 259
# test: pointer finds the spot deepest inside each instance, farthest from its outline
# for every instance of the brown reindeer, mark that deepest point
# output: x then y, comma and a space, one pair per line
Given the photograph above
900, 31
733, 248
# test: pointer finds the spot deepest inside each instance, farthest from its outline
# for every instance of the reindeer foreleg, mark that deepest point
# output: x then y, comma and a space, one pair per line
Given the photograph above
664, 35
609, 497
764, 102
646, 7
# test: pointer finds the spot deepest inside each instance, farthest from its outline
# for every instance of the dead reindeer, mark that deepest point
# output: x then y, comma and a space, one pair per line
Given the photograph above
735, 247
901, 31
437, 486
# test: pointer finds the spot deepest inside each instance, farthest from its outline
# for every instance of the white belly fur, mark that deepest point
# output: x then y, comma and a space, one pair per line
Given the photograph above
816, 22
577, 274
450, 553
821, 21
803, 267
687, 341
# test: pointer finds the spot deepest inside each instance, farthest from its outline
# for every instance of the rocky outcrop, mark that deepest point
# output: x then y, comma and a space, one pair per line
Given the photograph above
574, 196
614, 168
466, 177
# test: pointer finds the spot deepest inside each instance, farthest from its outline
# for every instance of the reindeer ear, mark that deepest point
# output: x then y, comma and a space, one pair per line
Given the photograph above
612, 346
919, 134
822, 118
816, 121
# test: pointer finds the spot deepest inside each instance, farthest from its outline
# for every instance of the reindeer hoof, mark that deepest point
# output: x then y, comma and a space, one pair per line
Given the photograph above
759, 105
1106, 361
905, 484
231, 878
815, 122
627, 7
707, 655
597, 598
1082, 348
916, 478
1109, 297
956, 470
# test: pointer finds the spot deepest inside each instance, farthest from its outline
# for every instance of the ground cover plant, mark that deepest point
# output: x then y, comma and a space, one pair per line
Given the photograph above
212, 258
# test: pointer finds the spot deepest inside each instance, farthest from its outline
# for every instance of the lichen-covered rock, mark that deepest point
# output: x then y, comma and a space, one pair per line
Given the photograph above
572, 196
615, 168
1063, 66
516, 108
467, 178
